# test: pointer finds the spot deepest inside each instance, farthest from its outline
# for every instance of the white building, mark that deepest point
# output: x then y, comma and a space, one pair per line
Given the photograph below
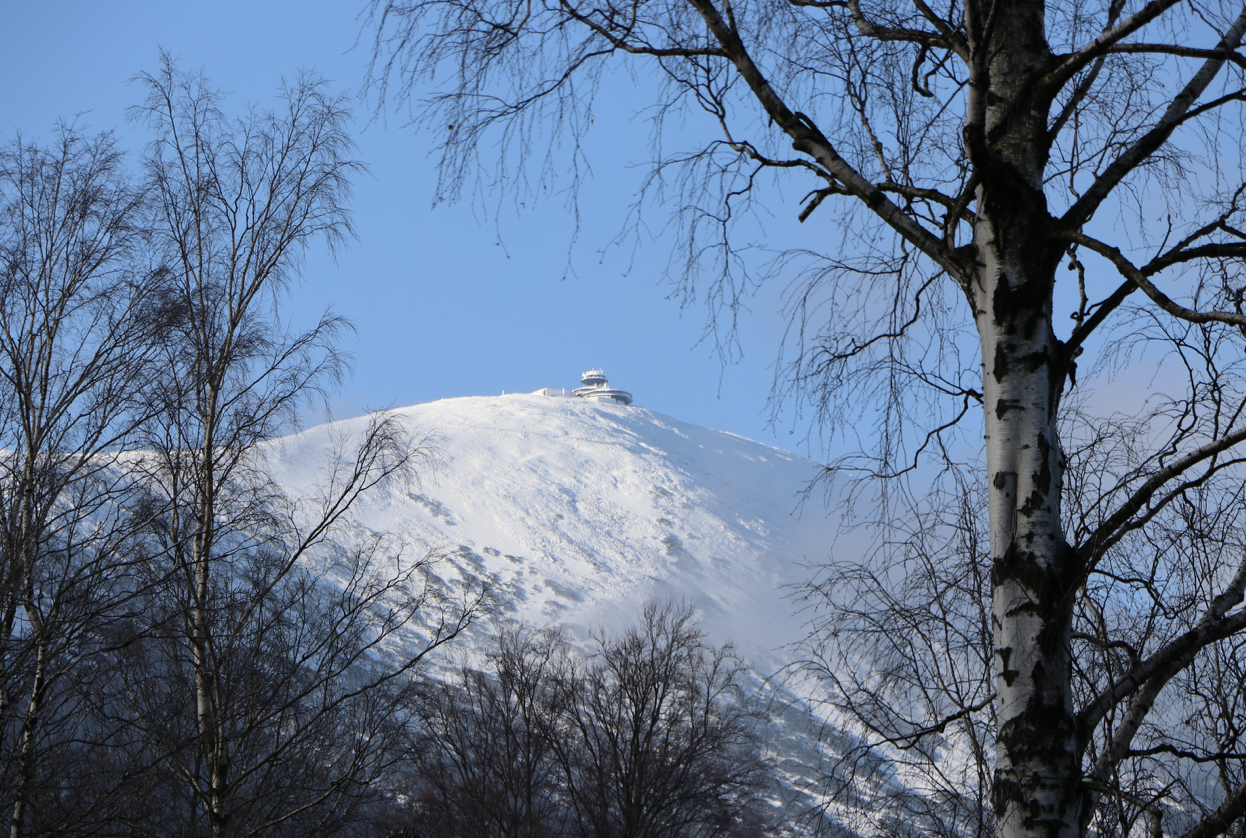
597, 387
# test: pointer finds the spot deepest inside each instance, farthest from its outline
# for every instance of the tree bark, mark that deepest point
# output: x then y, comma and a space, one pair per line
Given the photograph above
1037, 778
27, 756
1037, 773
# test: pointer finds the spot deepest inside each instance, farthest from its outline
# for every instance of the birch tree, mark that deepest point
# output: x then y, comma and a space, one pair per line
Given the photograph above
73, 350
258, 679
990, 166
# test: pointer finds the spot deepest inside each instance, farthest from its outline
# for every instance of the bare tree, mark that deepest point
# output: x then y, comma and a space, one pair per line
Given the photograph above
73, 345
902, 639
484, 760
649, 737
657, 737
969, 150
258, 677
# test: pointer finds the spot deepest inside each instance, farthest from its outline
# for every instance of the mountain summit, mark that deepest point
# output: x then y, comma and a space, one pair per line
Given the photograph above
577, 511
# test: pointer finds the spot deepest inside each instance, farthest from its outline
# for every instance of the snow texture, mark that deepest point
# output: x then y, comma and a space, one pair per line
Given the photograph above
578, 511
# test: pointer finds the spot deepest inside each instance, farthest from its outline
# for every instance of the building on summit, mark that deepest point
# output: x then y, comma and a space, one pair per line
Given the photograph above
597, 387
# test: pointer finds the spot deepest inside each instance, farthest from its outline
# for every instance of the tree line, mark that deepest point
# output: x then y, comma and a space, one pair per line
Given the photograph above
653, 734
186, 649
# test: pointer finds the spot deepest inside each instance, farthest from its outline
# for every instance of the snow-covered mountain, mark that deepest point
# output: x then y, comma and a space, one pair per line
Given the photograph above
578, 511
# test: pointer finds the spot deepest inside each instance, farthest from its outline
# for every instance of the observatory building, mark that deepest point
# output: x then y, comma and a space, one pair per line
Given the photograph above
597, 387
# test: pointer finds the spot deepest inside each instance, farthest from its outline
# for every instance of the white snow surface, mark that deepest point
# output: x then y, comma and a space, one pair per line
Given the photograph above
577, 512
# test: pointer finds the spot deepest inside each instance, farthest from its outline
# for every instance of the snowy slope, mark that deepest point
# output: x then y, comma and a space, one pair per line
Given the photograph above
578, 511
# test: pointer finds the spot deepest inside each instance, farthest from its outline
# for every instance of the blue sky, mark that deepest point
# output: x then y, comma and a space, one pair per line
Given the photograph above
449, 301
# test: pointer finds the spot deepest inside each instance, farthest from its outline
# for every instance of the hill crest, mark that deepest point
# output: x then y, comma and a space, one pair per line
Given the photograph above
577, 511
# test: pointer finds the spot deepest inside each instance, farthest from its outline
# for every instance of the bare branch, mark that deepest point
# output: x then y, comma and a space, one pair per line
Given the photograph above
1116, 523
1138, 276
807, 138
1072, 64
1232, 56
1158, 134
1143, 684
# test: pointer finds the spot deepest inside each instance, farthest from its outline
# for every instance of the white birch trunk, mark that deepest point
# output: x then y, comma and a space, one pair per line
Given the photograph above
1037, 775
1037, 784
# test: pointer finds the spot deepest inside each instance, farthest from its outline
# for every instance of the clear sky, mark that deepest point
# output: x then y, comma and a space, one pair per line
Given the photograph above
448, 301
